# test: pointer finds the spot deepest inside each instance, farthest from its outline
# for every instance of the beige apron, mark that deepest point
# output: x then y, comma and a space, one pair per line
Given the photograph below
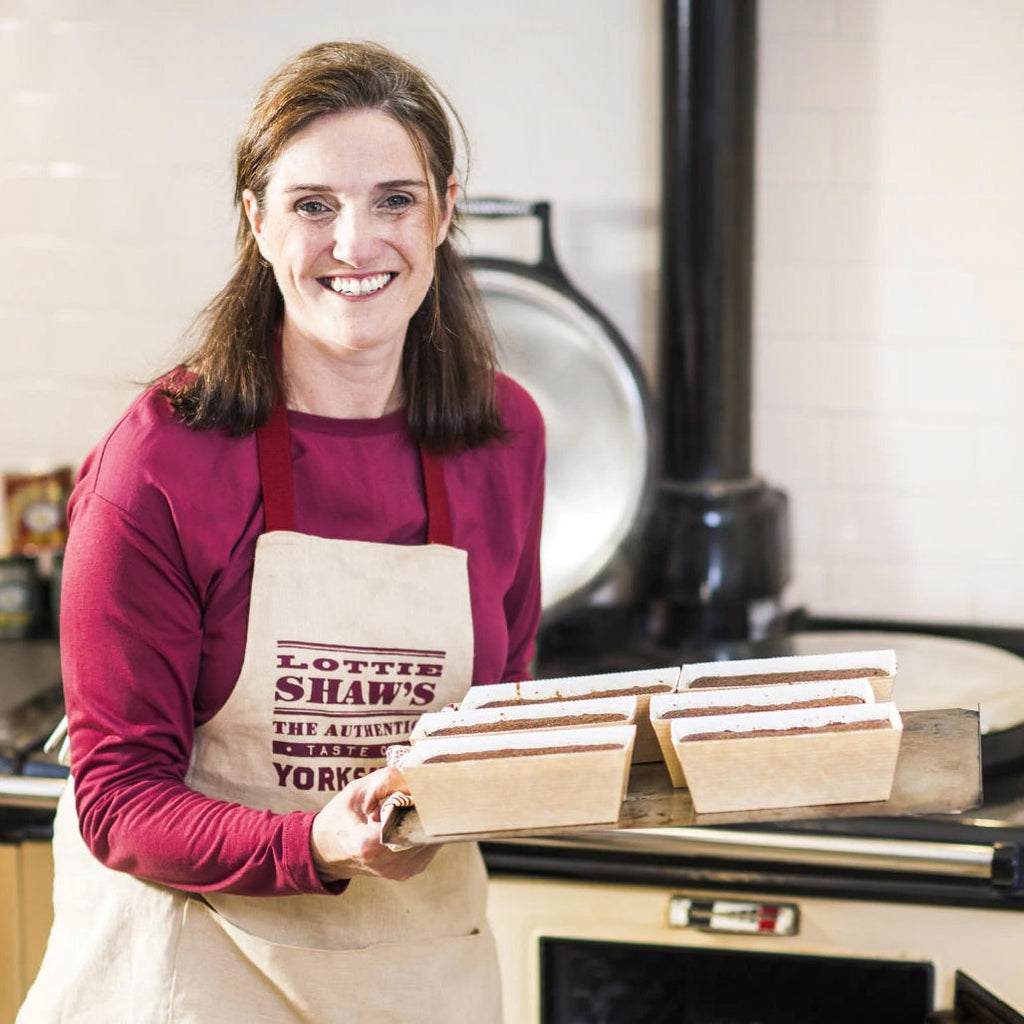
348, 643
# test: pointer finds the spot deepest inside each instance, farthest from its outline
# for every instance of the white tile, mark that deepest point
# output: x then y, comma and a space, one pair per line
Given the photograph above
908, 302
995, 537
859, 18
891, 450
999, 151
113, 346
997, 595
949, 226
792, 299
864, 526
815, 376
49, 424
998, 315
824, 73
795, 447
806, 224
795, 147
901, 592
780, 17
995, 457
22, 49
953, 56
946, 379
26, 345
856, 147
930, 149
921, 302
809, 587
811, 511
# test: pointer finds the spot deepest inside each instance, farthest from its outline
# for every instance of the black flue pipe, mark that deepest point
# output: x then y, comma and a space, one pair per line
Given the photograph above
716, 552
709, 83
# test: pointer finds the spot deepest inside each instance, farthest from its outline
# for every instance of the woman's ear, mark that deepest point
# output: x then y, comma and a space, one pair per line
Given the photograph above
451, 191
254, 215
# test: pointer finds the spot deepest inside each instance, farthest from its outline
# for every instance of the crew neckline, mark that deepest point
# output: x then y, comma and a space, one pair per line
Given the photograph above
390, 423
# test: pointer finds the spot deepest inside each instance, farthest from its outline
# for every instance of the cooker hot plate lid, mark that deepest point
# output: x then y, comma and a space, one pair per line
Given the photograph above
935, 672
596, 413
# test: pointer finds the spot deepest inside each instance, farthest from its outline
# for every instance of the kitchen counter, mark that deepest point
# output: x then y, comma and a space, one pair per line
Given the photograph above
31, 706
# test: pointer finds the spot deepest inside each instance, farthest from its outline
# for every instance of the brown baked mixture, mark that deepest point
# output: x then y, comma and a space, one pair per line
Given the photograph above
739, 709
874, 723
803, 676
490, 755
513, 724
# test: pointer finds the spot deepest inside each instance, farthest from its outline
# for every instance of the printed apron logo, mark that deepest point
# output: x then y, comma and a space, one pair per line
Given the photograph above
337, 708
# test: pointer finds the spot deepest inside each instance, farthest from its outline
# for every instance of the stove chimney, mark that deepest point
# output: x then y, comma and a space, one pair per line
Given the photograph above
716, 555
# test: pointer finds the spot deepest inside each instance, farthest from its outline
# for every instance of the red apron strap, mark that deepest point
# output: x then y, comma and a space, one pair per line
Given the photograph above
273, 446
439, 520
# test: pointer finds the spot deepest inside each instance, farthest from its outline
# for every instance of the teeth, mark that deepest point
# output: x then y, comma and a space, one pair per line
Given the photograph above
359, 285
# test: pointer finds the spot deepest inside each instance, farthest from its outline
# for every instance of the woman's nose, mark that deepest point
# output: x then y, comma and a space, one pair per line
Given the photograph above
355, 239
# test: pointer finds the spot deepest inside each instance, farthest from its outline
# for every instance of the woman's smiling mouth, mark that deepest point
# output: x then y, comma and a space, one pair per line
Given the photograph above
357, 286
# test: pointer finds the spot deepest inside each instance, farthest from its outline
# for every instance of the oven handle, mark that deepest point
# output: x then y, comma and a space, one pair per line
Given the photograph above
997, 863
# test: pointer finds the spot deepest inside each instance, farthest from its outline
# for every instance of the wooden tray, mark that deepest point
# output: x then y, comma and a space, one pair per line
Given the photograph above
938, 772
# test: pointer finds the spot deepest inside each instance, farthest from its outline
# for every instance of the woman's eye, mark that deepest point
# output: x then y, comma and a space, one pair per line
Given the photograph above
396, 202
312, 207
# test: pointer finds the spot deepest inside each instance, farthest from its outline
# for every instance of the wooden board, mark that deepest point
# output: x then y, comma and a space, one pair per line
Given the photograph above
938, 772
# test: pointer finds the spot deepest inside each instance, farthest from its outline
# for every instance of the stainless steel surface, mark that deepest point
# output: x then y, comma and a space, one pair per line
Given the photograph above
960, 860
597, 432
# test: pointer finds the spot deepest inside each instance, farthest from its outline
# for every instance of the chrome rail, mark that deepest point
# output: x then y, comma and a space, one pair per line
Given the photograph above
960, 860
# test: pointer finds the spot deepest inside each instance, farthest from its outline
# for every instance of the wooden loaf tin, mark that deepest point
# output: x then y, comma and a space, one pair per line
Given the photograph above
535, 780
668, 708
793, 758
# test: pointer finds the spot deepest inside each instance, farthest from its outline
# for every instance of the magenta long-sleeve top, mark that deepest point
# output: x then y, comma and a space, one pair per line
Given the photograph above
155, 599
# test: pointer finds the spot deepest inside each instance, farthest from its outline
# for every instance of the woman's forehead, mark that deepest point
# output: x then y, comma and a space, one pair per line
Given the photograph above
364, 146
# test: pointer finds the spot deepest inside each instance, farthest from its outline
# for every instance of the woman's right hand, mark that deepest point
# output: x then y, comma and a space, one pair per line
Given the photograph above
346, 833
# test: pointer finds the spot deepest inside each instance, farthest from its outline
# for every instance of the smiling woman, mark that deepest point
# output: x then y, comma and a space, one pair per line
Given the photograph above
447, 364
323, 524
353, 256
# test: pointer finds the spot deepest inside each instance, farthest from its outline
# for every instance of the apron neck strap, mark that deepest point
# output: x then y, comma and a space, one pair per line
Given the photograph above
439, 522
273, 447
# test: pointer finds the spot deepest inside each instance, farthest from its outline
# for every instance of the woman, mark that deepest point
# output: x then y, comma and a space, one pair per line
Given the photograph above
323, 525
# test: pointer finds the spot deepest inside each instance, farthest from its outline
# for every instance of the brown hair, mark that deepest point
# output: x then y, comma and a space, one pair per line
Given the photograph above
448, 359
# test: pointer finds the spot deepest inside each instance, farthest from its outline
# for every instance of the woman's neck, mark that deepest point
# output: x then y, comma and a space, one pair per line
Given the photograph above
361, 385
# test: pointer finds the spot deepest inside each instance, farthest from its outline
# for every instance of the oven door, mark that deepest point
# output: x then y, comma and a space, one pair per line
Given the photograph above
582, 952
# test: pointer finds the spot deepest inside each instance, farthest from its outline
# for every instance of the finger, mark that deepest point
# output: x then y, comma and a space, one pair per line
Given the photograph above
375, 788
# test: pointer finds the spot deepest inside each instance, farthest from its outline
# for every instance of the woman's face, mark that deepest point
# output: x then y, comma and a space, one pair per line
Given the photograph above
349, 224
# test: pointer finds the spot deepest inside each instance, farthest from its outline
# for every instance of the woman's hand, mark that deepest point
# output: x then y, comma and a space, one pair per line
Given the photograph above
346, 834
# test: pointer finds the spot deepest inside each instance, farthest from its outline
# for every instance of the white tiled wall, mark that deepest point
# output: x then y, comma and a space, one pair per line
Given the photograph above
889, 362
889, 263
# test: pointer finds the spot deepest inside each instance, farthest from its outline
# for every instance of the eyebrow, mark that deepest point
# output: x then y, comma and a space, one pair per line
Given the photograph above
382, 185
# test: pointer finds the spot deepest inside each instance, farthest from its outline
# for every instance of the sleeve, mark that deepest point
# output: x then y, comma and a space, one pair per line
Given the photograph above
131, 637
523, 599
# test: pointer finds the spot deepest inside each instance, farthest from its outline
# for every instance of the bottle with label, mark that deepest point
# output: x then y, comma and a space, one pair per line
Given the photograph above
19, 597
